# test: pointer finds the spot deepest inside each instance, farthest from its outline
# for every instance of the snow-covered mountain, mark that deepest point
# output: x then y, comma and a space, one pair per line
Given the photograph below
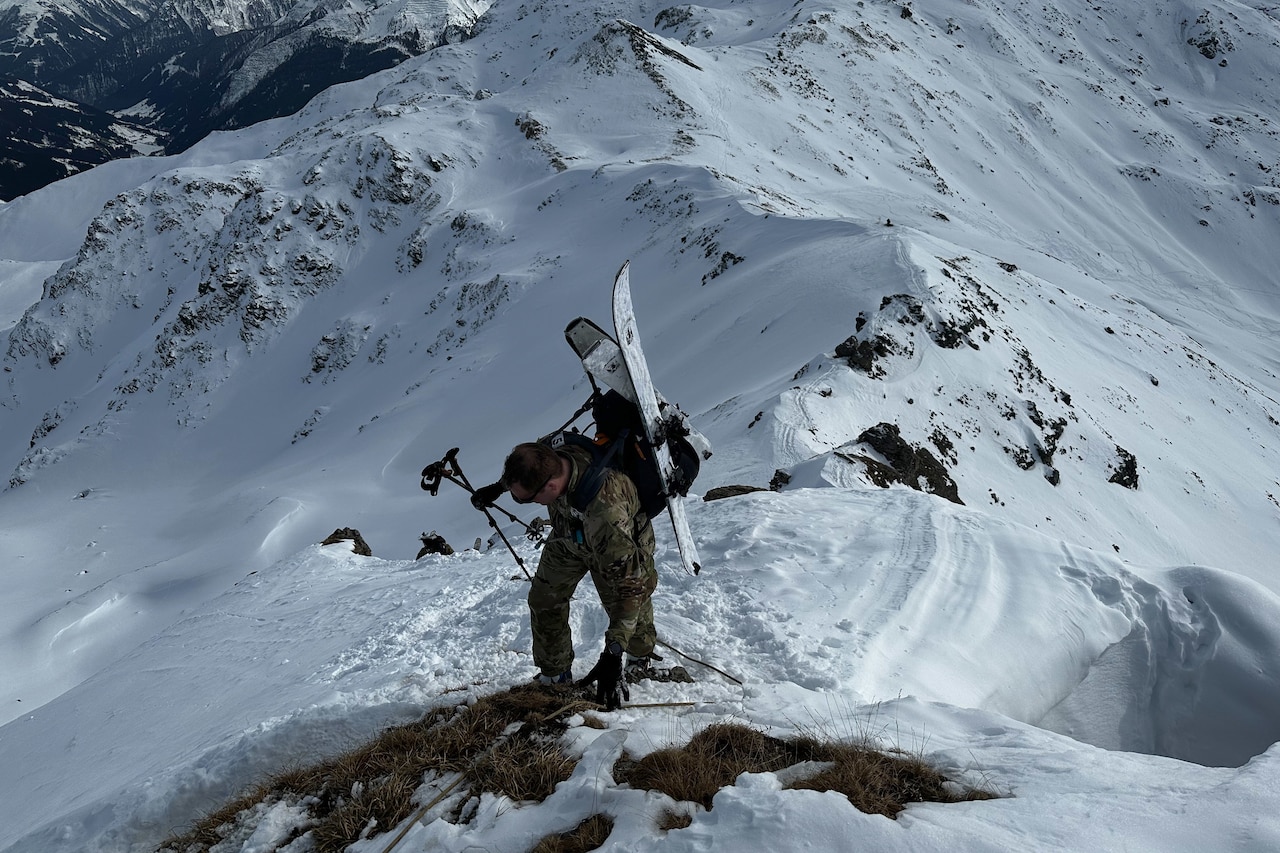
48, 138
191, 67
48, 37
1018, 257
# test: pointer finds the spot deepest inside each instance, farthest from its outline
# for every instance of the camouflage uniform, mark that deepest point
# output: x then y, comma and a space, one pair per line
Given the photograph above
613, 541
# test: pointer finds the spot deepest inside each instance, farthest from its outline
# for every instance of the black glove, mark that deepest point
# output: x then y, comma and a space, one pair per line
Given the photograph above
487, 496
611, 687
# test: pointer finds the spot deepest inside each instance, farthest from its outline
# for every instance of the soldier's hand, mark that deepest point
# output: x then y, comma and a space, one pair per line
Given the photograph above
611, 687
487, 496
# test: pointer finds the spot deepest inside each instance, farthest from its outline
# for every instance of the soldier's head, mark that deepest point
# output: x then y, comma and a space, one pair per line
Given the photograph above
534, 473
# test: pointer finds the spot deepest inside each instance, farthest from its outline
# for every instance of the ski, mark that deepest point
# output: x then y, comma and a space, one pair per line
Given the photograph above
603, 362
607, 364
656, 423
601, 357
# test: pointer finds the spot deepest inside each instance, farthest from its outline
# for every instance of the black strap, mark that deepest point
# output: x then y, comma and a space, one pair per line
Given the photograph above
592, 479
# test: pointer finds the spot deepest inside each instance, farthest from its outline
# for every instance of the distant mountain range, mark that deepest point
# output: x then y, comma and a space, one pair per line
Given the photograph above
47, 138
171, 72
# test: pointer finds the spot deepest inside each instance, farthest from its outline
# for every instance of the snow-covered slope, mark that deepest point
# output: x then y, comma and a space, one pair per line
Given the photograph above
1038, 245
829, 616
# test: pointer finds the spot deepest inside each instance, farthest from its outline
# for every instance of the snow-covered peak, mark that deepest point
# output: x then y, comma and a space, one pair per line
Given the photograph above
382, 19
1036, 244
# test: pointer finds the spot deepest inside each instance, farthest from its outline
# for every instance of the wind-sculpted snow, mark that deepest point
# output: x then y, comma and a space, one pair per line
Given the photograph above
1183, 680
906, 594
874, 613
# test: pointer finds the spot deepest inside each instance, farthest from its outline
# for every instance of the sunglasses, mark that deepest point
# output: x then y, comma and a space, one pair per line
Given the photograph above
534, 494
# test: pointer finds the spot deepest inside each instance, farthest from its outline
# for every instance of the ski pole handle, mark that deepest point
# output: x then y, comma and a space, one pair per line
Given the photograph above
436, 471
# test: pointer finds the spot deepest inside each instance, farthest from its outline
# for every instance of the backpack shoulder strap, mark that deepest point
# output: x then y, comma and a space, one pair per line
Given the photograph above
603, 457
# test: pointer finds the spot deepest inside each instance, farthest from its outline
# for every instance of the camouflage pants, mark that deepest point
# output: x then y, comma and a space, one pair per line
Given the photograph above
628, 605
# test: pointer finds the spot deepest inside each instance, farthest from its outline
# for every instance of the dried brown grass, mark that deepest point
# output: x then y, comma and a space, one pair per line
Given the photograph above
674, 820
205, 833
591, 834
372, 787
376, 782
875, 782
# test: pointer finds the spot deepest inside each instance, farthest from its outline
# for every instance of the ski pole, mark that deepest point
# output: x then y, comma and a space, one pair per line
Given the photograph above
492, 523
448, 468
699, 662
422, 812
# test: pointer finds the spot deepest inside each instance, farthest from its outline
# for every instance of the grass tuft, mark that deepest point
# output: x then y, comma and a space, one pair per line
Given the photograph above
523, 768
373, 785
674, 820
591, 834
875, 782
509, 743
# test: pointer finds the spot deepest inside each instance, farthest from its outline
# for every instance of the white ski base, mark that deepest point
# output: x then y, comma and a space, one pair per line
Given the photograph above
624, 322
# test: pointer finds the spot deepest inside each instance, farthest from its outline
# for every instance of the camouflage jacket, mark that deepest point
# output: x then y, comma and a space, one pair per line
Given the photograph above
613, 532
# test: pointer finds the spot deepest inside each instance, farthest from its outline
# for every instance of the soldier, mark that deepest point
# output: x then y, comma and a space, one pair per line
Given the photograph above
611, 539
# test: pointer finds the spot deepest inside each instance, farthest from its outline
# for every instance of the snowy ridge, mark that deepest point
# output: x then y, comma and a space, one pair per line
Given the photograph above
1037, 244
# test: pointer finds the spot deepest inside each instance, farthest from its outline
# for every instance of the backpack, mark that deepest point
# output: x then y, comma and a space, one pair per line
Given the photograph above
620, 445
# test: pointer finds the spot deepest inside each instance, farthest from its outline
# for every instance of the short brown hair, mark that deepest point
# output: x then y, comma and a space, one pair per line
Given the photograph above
530, 465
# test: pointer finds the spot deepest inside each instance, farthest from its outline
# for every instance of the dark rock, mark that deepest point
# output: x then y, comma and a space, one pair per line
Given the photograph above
1126, 474
916, 467
862, 354
433, 543
350, 534
720, 492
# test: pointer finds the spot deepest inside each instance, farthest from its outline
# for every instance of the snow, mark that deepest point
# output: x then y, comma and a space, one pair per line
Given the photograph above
214, 360
948, 634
